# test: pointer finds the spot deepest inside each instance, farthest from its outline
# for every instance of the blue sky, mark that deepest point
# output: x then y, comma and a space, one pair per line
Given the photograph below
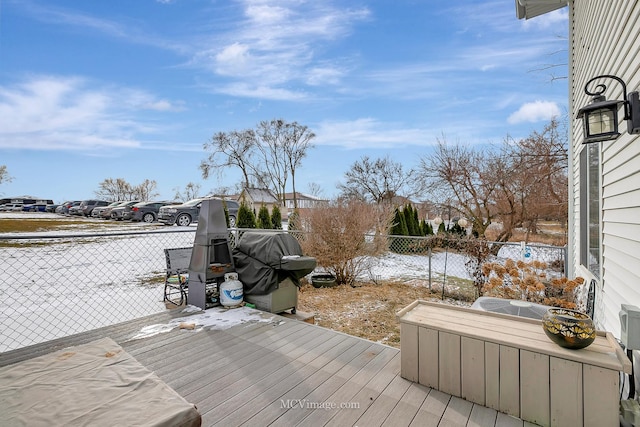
91, 90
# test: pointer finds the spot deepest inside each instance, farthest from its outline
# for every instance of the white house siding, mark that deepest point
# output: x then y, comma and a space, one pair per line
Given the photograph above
304, 201
605, 39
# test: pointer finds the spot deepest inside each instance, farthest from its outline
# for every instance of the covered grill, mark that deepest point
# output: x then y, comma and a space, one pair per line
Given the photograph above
270, 266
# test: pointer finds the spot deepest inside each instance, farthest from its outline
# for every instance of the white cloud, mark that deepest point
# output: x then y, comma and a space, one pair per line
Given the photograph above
275, 43
248, 90
535, 112
548, 20
69, 113
324, 75
163, 105
233, 59
125, 31
264, 13
368, 133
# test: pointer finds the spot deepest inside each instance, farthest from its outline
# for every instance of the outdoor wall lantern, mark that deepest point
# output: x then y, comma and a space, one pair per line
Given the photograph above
600, 117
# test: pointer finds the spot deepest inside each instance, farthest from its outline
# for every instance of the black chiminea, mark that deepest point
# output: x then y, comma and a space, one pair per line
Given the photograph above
211, 256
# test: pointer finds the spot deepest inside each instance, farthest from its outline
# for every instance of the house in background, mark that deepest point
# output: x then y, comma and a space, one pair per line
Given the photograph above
305, 201
23, 200
256, 197
604, 176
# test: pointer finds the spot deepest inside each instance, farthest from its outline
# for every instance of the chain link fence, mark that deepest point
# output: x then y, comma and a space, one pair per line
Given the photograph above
54, 285
452, 265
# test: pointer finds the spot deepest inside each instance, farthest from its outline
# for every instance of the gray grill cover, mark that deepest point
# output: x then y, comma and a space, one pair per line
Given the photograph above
263, 260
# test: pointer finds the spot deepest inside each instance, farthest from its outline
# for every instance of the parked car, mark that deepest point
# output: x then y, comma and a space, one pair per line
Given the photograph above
37, 205
73, 208
12, 207
86, 206
60, 207
52, 207
63, 208
34, 207
126, 212
188, 212
98, 210
105, 212
117, 212
145, 211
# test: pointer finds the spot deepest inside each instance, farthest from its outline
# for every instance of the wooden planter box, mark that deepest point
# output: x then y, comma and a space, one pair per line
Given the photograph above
508, 363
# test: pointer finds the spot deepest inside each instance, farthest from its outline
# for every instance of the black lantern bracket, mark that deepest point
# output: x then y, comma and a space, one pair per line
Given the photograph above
600, 117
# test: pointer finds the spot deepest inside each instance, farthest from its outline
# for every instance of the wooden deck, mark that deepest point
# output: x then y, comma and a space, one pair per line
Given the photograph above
283, 373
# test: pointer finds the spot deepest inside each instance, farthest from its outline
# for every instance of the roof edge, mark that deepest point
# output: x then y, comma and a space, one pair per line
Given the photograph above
527, 9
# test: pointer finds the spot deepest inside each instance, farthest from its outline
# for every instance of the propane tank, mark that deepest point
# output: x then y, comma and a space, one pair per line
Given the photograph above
231, 290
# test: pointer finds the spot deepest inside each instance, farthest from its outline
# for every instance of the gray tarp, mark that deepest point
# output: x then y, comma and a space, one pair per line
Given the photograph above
95, 384
263, 260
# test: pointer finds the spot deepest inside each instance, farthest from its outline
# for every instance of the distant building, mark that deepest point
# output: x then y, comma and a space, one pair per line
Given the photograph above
400, 201
305, 201
256, 197
26, 200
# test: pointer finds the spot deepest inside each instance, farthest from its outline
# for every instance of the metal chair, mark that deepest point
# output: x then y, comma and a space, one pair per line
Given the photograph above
176, 282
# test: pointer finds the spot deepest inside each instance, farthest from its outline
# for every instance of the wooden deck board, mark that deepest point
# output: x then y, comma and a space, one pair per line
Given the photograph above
482, 416
245, 375
327, 381
331, 348
262, 393
407, 406
320, 368
382, 407
347, 392
457, 413
431, 411
504, 420
368, 394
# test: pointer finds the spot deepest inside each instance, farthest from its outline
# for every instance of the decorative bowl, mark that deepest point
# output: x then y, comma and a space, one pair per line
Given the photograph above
569, 328
323, 280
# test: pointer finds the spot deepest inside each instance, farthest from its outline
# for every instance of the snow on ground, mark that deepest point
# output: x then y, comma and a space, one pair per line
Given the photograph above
393, 266
217, 318
544, 253
67, 285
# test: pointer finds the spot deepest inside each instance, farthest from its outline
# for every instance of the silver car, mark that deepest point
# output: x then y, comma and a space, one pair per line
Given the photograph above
98, 210
117, 213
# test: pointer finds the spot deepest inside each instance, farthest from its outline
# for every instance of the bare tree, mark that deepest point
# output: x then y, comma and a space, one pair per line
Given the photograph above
345, 237
520, 183
115, 189
378, 181
265, 156
272, 137
282, 147
466, 176
119, 189
295, 145
315, 189
539, 165
146, 190
231, 149
227, 191
4, 174
190, 192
